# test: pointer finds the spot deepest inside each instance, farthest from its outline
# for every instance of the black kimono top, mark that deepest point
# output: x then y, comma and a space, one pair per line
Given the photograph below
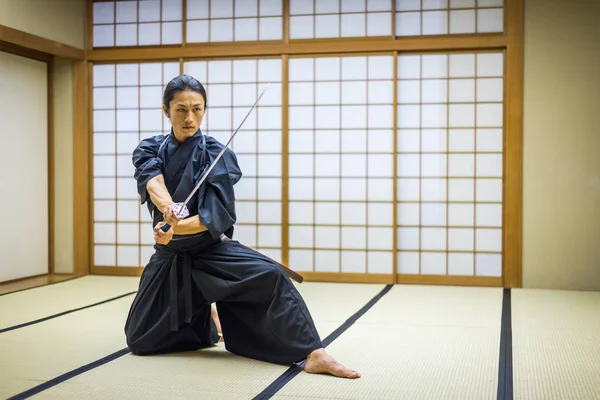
182, 165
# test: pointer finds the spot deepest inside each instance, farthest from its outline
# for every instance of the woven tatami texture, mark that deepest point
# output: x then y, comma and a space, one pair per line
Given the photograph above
40, 352
208, 374
418, 342
29, 305
556, 345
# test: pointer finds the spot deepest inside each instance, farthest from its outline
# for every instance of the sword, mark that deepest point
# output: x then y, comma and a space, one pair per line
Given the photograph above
166, 227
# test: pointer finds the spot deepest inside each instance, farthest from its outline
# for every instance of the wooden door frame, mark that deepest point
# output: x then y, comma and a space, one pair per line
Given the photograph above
38, 48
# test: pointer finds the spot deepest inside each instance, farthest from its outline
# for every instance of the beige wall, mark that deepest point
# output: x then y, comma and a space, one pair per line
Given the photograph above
24, 163
63, 166
60, 20
561, 199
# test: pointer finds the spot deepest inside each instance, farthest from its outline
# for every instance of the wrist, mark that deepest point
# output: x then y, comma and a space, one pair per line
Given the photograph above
165, 206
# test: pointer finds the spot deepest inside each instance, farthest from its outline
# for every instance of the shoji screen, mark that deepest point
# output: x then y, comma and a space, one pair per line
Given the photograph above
229, 20
450, 167
137, 23
127, 102
443, 17
232, 88
341, 164
166, 22
340, 18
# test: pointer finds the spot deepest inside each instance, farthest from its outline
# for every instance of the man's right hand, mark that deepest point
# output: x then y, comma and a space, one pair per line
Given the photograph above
170, 217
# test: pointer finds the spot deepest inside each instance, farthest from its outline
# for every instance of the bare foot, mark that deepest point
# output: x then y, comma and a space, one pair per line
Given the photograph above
215, 317
319, 362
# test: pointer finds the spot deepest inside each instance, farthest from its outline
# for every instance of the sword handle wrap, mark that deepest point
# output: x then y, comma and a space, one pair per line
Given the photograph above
180, 211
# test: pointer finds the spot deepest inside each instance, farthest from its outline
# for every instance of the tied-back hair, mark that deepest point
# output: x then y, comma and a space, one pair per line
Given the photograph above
181, 83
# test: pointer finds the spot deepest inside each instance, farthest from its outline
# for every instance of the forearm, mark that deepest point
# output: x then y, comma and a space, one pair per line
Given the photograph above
158, 193
189, 226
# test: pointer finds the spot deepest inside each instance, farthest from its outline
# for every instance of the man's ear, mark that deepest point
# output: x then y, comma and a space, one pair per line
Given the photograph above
166, 111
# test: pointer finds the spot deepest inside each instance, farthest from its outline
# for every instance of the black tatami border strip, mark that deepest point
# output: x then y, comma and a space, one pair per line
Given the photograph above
42, 285
295, 369
37, 321
71, 374
505, 366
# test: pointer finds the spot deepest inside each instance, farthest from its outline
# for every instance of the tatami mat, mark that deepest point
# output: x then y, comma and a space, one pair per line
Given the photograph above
211, 373
21, 307
556, 345
40, 352
417, 342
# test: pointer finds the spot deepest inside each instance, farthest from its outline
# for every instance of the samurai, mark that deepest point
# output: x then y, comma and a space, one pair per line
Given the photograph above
258, 310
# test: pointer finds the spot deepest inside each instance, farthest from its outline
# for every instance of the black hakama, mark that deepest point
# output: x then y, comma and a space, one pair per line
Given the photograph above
262, 314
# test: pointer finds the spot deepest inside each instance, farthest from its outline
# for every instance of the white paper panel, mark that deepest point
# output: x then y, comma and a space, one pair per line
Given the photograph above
461, 190
380, 262
269, 236
408, 262
327, 261
245, 234
354, 213
301, 260
354, 237
433, 189
433, 263
489, 190
354, 261
488, 264
246, 212
128, 233
327, 213
461, 239
460, 264
104, 36
488, 240
105, 233
301, 236
409, 238
104, 188
105, 255
149, 10
461, 215
462, 21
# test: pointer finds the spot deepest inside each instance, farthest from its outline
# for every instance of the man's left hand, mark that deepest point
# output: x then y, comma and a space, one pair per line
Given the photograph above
161, 237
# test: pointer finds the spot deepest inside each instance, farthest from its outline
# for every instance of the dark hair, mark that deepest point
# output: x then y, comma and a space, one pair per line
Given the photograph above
181, 83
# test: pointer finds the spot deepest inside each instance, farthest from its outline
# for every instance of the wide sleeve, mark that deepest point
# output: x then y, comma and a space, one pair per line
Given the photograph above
233, 168
147, 163
216, 206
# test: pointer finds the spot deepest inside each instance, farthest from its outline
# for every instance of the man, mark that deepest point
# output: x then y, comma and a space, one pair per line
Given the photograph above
261, 313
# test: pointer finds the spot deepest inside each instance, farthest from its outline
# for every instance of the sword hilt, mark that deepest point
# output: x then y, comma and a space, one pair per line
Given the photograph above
165, 228
180, 210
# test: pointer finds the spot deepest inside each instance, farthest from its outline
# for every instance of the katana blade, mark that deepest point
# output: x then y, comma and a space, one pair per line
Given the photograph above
166, 227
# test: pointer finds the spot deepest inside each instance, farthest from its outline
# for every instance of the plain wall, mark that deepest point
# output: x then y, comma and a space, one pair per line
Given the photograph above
24, 163
60, 20
561, 154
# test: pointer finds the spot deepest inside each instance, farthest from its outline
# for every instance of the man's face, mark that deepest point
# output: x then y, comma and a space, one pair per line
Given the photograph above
185, 112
